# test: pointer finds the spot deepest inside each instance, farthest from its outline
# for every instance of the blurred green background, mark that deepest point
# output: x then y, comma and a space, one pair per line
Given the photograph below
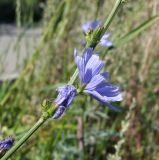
47, 32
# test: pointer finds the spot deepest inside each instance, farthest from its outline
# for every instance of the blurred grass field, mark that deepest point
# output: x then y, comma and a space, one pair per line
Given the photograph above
88, 130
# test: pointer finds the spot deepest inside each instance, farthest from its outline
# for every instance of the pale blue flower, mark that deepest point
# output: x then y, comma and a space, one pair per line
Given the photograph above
104, 40
95, 83
6, 144
66, 94
91, 26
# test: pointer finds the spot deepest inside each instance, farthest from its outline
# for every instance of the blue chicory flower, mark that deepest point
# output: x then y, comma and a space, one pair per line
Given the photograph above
94, 82
91, 26
66, 94
6, 144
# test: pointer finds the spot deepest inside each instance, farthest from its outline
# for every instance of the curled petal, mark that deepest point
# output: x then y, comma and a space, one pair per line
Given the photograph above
60, 99
6, 144
58, 113
72, 96
65, 97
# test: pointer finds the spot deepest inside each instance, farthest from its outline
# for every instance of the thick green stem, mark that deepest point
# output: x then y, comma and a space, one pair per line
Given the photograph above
24, 138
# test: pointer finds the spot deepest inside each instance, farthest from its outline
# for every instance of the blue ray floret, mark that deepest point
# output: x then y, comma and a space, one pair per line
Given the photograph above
6, 144
91, 26
66, 94
94, 82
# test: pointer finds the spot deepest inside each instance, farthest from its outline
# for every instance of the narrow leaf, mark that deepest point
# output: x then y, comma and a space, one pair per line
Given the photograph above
135, 32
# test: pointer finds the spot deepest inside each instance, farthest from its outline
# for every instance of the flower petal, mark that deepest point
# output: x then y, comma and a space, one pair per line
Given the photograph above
96, 80
81, 66
87, 76
87, 54
94, 24
91, 25
58, 113
106, 35
71, 97
59, 100
65, 96
103, 99
94, 64
6, 144
109, 90
85, 26
104, 41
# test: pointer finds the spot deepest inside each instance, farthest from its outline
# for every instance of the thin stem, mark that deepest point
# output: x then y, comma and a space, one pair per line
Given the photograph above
73, 78
24, 138
112, 14
18, 13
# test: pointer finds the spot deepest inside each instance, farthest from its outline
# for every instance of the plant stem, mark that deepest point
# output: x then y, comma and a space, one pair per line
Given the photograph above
108, 21
24, 138
73, 78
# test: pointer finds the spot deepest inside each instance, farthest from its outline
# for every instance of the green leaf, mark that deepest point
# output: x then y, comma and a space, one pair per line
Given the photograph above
135, 32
